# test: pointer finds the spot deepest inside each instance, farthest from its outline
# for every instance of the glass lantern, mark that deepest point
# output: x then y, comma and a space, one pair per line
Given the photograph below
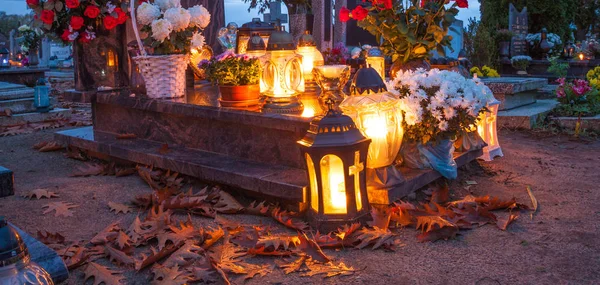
256, 26
335, 153
331, 79
282, 75
376, 60
255, 47
378, 116
311, 56
486, 127
366, 81
4, 58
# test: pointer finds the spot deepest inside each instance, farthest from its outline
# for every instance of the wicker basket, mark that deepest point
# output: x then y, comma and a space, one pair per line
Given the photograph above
164, 74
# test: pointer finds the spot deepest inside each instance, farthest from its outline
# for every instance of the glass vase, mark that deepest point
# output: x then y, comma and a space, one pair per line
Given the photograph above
331, 79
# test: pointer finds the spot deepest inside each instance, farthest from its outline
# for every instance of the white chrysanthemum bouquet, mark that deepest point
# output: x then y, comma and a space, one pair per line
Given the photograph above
438, 104
172, 29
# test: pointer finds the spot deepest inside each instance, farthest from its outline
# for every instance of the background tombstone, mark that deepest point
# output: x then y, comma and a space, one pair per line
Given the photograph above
339, 28
359, 35
12, 45
457, 43
45, 51
322, 28
275, 13
518, 24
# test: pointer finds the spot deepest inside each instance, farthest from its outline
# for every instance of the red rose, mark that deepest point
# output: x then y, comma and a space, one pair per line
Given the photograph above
91, 11
65, 35
76, 22
344, 14
387, 4
359, 13
33, 3
110, 22
462, 3
83, 38
121, 16
47, 16
72, 4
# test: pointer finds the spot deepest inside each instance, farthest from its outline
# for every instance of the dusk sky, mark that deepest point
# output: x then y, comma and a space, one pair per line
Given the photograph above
235, 11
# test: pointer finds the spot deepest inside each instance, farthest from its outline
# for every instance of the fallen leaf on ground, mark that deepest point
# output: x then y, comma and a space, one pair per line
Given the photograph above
119, 208
50, 238
376, 237
102, 274
117, 256
285, 219
121, 172
61, 208
123, 241
40, 145
534, 201
329, 269
503, 223
169, 276
154, 256
258, 209
51, 146
441, 193
88, 169
227, 204
428, 223
185, 255
107, 234
40, 193
446, 232
381, 217
164, 149
311, 248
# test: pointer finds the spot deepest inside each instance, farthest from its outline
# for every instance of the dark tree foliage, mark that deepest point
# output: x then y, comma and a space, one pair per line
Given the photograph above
13, 22
294, 6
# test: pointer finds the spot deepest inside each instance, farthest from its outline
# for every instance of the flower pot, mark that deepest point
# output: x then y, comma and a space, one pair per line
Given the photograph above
410, 65
33, 58
436, 155
243, 96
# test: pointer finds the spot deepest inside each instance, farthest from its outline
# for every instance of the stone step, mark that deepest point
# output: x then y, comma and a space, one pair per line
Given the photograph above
34, 117
16, 93
526, 117
18, 106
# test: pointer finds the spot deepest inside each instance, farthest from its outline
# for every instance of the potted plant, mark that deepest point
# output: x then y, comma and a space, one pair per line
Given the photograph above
503, 38
484, 72
520, 63
172, 32
407, 30
31, 43
238, 78
438, 107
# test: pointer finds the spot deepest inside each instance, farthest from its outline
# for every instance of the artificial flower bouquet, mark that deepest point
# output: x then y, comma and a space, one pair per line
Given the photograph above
553, 39
593, 76
172, 32
31, 38
578, 97
172, 29
520, 62
438, 107
78, 20
337, 55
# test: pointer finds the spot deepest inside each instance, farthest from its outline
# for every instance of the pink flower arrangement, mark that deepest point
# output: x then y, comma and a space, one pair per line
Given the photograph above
572, 92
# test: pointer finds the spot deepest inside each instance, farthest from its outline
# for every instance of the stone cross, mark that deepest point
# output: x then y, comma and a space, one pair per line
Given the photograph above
356, 169
518, 24
275, 13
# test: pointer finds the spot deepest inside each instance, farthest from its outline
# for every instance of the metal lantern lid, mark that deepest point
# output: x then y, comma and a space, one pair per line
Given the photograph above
367, 79
256, 25
374, 52
307, 40
12, 247
333, 129
281, 40
256, 43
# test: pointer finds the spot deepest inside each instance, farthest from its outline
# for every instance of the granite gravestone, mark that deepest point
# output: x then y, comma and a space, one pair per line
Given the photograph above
275, 13
518, 24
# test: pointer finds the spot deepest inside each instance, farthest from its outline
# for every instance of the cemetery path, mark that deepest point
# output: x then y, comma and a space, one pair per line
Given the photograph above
560, 245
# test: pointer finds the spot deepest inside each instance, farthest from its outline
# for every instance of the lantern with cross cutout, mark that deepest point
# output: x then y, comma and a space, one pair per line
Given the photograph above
335, 152
486, 127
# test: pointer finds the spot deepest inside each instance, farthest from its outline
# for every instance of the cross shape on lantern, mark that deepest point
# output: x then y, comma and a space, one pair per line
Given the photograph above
356, 168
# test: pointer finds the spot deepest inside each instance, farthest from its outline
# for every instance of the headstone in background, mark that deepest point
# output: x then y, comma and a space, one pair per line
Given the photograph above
275, 13
45, 51
457, 32
217, 19
359, 35
13, 45
339, 28
518, 24
322, 28
7, 187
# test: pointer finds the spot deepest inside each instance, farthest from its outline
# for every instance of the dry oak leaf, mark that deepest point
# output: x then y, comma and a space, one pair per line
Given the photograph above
61, 208
377, 237
76, 153
534, 201
311, 248
185, 232
445, 233
102, 274
276, 242
227, 258
121, 172
106, 235
164, 149
381, 217
78, 258
117, 256
40, 145
169, 276
329, 269
257, 209
227, 204
88, 169
126, 136
119, 208
149, 175
469, 216
135, 231
284, 217
155, 256
402, 217
291, 266
185, 255
427, 223
441, 193
503, 223
51, 146
40, 193
50, 238
122, 240
211, 236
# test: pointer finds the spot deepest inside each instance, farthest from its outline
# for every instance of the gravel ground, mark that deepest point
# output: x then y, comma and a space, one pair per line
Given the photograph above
561, 245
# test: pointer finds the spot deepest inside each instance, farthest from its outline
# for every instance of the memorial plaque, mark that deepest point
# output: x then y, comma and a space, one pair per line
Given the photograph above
518, 24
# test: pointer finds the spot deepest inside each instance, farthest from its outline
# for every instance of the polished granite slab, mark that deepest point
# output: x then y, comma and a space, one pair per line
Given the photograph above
515, 92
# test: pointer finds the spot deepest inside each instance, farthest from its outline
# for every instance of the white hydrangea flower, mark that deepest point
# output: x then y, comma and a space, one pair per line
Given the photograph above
24, 28
197, 40
164, 5
178, 17
200, 16
161, 29
147, 13
443, 125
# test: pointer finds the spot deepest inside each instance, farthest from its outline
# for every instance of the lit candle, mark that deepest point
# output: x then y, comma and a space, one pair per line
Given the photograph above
376, 129
338, 191
581, 57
